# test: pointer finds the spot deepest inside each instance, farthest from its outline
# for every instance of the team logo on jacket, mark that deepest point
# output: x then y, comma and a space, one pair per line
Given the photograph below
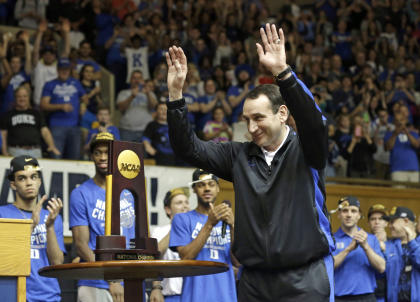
340, 245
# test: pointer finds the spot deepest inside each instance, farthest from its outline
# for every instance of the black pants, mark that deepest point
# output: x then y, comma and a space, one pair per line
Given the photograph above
357, 298
306, 283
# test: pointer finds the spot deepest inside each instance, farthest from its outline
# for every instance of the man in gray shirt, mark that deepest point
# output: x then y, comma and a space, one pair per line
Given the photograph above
136, 105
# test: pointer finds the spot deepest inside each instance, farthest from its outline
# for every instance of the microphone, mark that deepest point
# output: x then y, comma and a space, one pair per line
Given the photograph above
224, 224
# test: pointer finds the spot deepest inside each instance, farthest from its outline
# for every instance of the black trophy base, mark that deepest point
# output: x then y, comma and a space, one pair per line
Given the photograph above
112, 247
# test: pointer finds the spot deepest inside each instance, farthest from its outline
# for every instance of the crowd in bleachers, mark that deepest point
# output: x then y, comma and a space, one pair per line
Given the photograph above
360, 59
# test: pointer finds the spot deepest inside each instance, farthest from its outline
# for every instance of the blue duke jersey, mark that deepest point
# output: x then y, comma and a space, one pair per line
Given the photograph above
38, 288
87, 207
218, 287
357, 265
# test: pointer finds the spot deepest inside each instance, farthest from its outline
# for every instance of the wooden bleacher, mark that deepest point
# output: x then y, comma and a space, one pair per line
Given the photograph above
369, 192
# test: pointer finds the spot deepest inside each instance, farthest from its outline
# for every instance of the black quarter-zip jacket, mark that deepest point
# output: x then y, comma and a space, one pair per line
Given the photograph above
281, 220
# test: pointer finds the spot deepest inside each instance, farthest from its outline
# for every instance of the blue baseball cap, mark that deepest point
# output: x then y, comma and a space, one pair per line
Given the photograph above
348, 201
401, 212
63, 63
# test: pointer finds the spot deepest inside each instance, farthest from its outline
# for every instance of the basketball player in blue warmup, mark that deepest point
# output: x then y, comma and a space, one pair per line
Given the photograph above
87, 220
198, 235
47, 244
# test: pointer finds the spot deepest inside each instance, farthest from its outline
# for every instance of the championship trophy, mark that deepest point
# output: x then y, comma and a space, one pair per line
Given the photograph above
125, 171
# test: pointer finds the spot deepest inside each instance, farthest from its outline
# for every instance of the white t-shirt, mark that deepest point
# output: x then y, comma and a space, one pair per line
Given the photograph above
171, 286
42, 74
137, 115
381, 155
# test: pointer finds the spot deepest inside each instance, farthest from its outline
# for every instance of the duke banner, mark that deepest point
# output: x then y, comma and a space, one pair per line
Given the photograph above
60, 177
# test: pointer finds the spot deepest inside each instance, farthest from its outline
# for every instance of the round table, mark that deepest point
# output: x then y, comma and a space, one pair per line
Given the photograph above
133, 272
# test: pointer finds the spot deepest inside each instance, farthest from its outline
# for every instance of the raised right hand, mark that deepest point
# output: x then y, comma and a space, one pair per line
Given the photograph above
43, 26
212, 215
272, 54
177, 72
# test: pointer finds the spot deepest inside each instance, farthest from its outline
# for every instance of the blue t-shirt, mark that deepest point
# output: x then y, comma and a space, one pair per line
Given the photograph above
38, 288
9, 94
329, 10
67, 92
87, 207
356, 265
403, 155
217, 287
114, 54
202, 118
342, 46
236, 111
105, 27
158, 135
190, 99
400, 95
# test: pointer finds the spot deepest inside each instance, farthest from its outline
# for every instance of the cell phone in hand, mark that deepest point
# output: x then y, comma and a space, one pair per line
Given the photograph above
358, 131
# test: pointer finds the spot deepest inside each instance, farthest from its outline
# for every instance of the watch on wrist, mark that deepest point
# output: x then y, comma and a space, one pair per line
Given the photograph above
282, 74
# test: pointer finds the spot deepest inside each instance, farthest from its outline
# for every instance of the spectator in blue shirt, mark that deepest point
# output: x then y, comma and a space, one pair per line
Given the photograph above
61, 97
403, 257
237, 93
403, 143
211, 98
342, 40
357, 256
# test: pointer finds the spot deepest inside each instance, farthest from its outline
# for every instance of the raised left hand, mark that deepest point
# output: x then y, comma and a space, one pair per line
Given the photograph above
273, 55
177, 72
54, 207
65, 26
